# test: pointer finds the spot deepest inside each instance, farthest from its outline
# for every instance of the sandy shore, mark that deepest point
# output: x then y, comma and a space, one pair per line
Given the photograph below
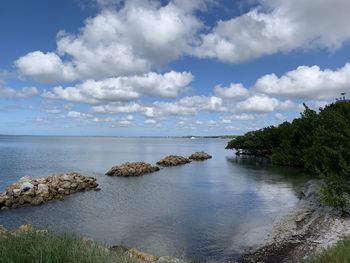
304, 231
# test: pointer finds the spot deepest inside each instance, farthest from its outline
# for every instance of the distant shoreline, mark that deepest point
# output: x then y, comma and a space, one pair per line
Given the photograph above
116, 136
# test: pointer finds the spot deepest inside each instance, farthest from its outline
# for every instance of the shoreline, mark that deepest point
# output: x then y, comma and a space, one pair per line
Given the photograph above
306, 230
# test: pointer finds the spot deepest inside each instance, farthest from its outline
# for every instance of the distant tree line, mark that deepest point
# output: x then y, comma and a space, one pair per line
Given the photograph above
318, 142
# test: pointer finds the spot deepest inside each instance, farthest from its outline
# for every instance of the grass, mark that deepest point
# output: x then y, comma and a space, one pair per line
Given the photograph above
340, 253
48, 247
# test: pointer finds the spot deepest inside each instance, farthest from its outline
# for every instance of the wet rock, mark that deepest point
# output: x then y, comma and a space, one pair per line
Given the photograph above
24, 229
173, 160
141, 256
42, 190
132, 169
200, 156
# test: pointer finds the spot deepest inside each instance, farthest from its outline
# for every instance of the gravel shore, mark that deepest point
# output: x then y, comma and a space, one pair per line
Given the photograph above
303, 232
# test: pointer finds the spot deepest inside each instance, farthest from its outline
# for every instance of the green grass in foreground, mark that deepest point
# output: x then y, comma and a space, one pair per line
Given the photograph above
340, 253
49, 247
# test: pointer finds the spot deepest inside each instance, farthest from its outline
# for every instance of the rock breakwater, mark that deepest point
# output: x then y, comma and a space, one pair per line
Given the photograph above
28, 191
132, 169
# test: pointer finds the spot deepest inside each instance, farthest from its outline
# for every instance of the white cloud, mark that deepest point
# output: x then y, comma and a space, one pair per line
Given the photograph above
78, 115
307, 83
45, 67
190, 106
261, 103
151, 121
118, 108
278, 26
234, 91
279, 116
133, 39
18, 93
168, 85
241, 117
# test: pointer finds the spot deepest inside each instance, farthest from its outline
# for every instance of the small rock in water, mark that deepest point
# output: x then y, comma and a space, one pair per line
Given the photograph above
132, 169
200, 156
173, 160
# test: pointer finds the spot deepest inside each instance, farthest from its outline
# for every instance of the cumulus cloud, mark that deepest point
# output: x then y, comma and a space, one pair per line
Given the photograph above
45, 67
168, 85
261, 103
18, 93
141, 34
307, 83
190, 106
277, 26
233, 91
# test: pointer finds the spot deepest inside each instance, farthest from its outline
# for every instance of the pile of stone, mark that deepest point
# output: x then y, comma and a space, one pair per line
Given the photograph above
28, 191
200, 156
173, 160
132, 169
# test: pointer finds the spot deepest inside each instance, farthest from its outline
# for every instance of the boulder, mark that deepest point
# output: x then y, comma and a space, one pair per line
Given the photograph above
200, 156
132, 169
173, 160
141, 256
26, 186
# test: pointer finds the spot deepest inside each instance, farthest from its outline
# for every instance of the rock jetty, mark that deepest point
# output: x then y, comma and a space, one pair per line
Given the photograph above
28, 191
173, 160
132, 169
200, 156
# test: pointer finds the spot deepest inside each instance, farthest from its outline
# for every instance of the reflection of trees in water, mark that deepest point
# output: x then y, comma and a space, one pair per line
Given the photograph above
262, 171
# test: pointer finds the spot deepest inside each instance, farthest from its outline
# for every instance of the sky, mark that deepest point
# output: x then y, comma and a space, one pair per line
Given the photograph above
168, 67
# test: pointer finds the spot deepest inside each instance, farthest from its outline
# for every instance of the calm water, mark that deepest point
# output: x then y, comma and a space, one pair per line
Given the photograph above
213, 209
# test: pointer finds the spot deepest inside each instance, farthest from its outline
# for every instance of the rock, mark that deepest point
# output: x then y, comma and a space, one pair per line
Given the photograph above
24, 179
37, 200
132, 169
200, 156
16, 191
30, 192
173, 160
169, 260
24, 229
26, 186
142, 256
97, 189
87, 241
43, 187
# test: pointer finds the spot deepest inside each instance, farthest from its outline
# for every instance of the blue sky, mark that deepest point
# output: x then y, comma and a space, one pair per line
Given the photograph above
156, 67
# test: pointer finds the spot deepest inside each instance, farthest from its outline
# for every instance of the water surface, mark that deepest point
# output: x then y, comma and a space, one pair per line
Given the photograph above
213, 210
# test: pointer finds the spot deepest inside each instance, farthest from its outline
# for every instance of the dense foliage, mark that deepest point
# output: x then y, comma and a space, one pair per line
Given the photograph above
318, 142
